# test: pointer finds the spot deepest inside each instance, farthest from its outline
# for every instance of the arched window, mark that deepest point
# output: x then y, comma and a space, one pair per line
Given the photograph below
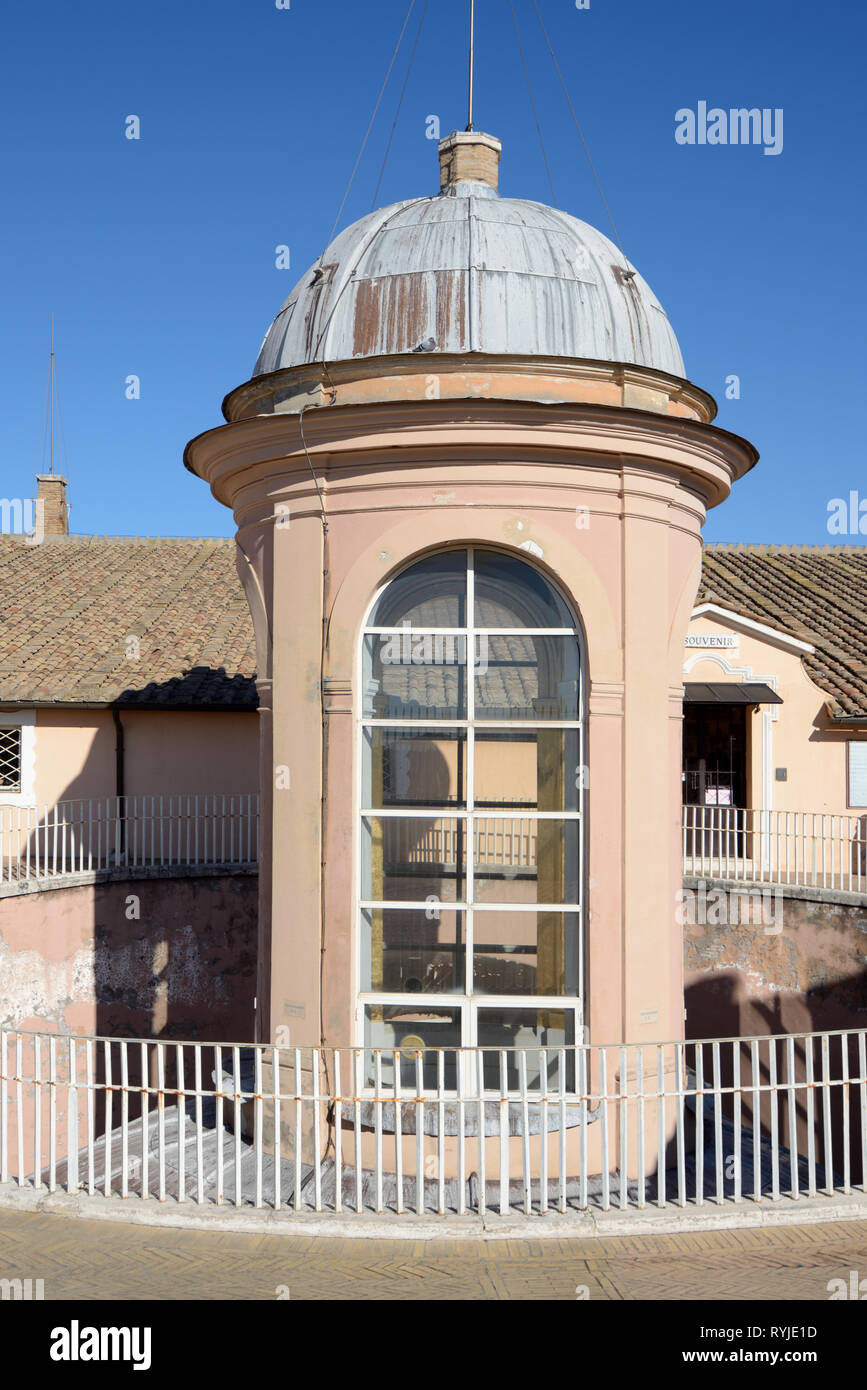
471, 809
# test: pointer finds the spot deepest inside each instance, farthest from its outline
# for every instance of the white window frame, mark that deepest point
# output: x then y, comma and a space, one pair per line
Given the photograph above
468, 1002
861, 745
25, 720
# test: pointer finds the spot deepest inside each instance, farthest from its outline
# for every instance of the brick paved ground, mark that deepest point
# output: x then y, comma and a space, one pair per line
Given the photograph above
85, 1259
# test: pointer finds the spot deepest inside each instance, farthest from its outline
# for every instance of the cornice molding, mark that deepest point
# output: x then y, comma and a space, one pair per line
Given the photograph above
412, 433
322, 384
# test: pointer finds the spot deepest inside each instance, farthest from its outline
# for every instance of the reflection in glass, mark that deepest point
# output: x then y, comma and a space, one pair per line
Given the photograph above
525, 953
528, 678
414, 767
412, 1029
397, 686
510, 593
519, 859
412, 951
536, 769
431, 593
527, 1028
492, 828
412, 858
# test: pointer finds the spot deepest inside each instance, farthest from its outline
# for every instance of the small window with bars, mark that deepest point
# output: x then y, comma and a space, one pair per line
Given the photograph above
10, 760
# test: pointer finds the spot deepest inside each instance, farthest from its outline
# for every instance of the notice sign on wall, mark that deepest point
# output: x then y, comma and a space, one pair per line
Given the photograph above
718, 796
711, 639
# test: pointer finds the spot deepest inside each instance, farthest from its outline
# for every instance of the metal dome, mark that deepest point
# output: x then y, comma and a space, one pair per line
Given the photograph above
469, 271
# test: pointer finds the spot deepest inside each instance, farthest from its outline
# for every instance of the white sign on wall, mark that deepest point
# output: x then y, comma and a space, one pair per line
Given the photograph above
711, 639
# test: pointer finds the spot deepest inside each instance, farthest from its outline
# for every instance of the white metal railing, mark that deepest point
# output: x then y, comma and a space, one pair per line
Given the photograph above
440, 1130
113, 832
508, 841
787, 847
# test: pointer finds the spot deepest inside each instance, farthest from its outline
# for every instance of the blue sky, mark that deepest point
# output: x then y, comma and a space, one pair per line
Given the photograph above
158, 255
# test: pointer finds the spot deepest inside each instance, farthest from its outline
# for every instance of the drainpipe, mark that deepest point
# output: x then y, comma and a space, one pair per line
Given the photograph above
119, 779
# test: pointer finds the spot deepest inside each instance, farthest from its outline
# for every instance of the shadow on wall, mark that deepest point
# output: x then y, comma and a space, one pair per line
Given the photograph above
160, 954
166, 953
774, 1079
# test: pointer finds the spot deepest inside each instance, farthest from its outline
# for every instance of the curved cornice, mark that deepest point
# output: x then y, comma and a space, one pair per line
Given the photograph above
439, 432
408, 376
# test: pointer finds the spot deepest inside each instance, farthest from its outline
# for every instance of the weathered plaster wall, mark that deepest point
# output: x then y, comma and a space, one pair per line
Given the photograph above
748, 978
79, 960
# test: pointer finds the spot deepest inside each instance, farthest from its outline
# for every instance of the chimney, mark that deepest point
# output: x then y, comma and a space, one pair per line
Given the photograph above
52, 512
468, 156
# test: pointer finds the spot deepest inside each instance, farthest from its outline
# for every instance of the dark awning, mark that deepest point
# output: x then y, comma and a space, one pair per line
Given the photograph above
729, 693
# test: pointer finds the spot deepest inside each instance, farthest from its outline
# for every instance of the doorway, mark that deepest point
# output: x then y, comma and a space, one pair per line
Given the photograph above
715, 755
715, 775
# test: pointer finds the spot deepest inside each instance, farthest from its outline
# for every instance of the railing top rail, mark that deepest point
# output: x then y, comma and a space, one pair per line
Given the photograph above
853, 813
360, 1048
127, 798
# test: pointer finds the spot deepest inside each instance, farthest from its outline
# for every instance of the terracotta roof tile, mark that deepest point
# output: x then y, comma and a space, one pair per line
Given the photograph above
815, 593
69, 605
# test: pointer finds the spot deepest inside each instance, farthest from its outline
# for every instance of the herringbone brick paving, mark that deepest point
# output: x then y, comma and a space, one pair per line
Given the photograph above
91, 1260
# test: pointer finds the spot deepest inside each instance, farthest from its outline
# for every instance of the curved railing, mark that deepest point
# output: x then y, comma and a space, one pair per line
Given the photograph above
699, 1124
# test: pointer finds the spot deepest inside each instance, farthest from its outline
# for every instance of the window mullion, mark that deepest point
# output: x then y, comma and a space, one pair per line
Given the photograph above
582, 833
470, 823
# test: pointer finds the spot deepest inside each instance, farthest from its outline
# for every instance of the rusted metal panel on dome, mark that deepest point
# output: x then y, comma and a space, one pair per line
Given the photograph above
543, 284
398, 314
368, 315
406, 323
451, 309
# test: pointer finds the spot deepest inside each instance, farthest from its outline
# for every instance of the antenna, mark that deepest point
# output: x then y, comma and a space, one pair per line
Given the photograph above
472, 38
52, 387
52, 416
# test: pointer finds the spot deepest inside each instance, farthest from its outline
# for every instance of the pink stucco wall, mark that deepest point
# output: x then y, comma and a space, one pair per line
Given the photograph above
166, 752
148, 957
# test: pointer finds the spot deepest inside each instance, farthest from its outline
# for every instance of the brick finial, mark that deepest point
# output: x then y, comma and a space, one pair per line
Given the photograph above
468, 156
52, 504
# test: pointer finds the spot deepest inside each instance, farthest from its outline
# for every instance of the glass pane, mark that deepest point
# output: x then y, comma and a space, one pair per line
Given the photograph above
536, 769
520, 859
527, 678
431, 593
414, 767
406, 951
510, 593
530, 1029
411, 1029
525, 953
10, 759
413, 859
414, 677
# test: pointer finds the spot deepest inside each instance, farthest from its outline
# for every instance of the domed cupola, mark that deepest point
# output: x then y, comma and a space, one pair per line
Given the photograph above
467, 271
469, 443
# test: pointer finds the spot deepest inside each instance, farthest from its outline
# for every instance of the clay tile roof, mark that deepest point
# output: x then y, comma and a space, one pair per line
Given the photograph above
815, 593
70, 605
